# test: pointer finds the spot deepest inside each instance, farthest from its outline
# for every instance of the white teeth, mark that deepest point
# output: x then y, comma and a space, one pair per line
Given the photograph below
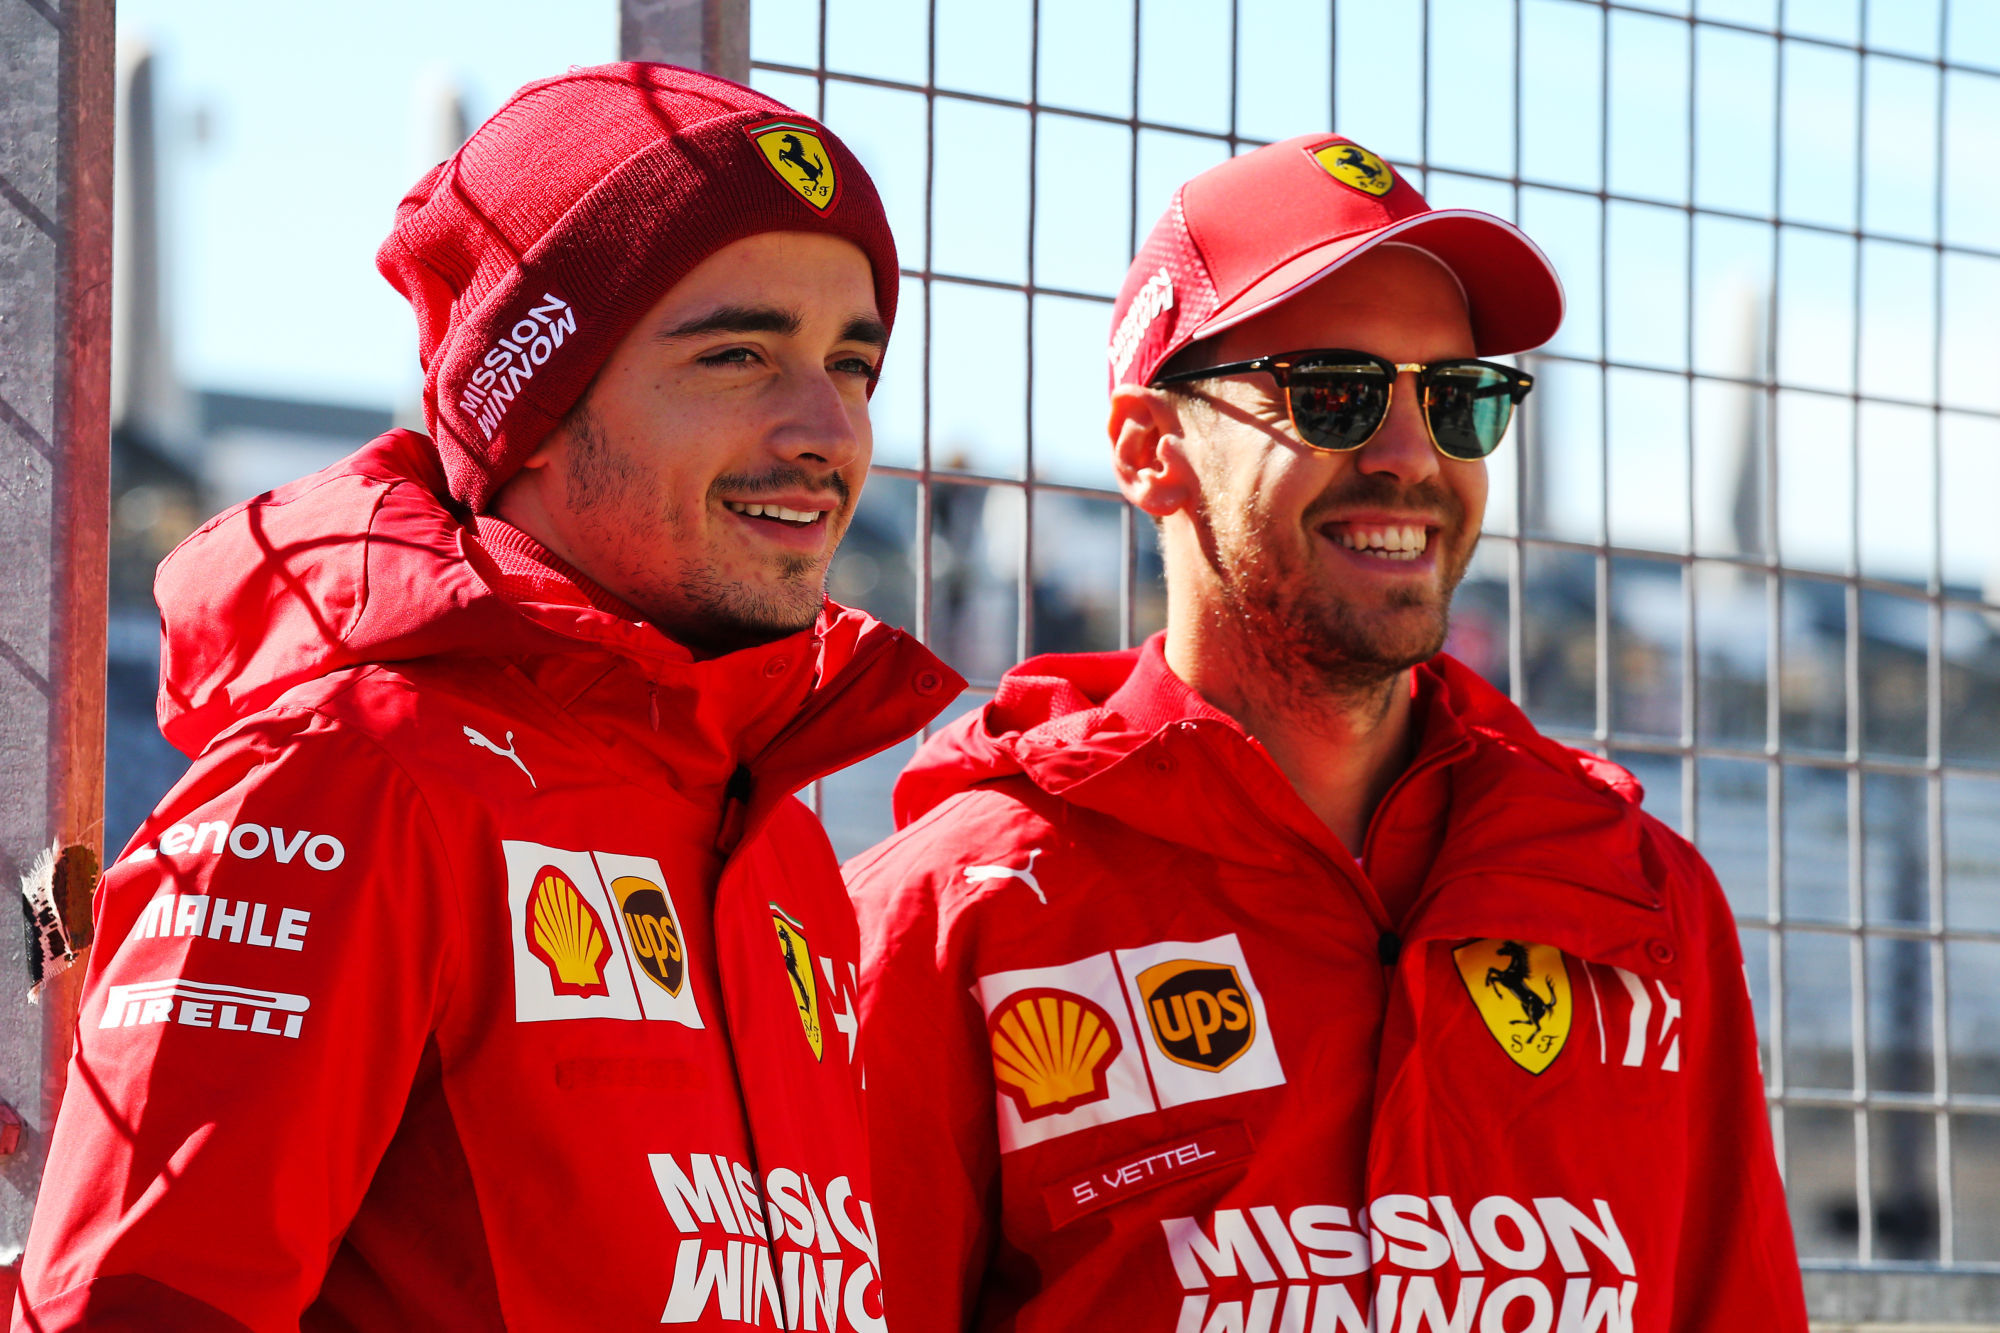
1402, 542
773, 511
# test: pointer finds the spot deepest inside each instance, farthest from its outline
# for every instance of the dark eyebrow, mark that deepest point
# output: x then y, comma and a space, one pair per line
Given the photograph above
867, 330
864, 329
736, 319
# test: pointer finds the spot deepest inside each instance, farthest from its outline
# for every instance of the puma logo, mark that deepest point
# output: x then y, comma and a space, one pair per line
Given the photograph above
1026, 874
480, 740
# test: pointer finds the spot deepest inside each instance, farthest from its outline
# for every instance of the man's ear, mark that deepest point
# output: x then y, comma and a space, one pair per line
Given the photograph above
525, 498
549, 449
1148, 450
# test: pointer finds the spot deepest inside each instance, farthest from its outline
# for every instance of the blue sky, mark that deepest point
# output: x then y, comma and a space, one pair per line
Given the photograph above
274, 214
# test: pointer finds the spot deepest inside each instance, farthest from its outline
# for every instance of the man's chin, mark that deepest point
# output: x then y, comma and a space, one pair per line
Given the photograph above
1347, 647
712, 618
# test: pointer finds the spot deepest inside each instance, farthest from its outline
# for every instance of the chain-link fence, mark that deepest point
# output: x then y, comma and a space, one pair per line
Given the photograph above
1739, 542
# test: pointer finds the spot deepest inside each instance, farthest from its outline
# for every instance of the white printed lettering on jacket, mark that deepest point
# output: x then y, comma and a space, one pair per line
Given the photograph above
1310, 1271
321, 851
793, 1255
172, 915
204, 1004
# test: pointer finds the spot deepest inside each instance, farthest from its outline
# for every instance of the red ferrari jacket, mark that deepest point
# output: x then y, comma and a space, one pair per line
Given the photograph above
483, 971
1148, 1049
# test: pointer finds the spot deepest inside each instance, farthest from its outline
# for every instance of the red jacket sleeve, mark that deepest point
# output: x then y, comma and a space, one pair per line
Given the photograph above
271, 955
929, 1102
1737, 1266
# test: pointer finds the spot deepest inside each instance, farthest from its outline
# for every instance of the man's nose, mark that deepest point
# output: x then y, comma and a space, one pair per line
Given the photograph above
1402, 447
819, 423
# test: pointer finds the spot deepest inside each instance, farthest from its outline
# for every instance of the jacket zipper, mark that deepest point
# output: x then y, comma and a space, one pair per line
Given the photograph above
1421, 766
1388, 944
736, 796
735, 805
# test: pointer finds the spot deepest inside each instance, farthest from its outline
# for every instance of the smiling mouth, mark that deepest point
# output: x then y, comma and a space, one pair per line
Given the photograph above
791, 518
1383, 542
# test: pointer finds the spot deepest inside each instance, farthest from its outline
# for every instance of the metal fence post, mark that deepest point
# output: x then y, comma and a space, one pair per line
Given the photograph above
56, 112
711, 35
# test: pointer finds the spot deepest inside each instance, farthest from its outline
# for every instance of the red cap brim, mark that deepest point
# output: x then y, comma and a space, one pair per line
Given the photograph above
1511, 289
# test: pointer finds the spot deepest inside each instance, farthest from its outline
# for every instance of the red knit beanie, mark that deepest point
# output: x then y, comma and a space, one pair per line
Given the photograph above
538, 245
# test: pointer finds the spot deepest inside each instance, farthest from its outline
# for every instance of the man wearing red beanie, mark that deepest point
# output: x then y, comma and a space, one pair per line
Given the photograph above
484, 970
1278, 975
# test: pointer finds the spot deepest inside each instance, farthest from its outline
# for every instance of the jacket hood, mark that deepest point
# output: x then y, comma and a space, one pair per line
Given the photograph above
1103, 731
364, 562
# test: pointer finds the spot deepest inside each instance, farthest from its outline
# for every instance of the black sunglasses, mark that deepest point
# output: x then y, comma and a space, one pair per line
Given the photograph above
1339, 398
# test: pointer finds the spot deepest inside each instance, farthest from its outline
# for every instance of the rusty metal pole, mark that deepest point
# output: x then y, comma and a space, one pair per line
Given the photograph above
711, 35
57, 93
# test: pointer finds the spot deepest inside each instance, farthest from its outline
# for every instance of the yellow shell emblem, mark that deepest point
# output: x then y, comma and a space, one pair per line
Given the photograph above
1051, 1050
564, 932
1353, 165
1523, 993
792, 149
797, 955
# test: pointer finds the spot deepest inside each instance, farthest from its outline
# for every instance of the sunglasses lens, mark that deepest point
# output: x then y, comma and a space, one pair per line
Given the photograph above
1469, 406
1338, 405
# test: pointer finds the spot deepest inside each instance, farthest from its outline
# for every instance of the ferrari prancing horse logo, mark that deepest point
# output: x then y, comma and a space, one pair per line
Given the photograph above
1352, 165
1522, 991
797, 955
794, 152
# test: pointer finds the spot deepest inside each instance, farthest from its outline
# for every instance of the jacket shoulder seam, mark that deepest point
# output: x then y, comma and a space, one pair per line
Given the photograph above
988, 789
443, 844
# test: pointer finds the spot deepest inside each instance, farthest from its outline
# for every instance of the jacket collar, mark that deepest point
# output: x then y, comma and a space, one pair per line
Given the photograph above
365, 562
1524, 817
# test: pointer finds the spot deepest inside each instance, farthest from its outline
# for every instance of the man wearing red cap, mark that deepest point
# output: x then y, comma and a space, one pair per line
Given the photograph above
1278, 975
484, 971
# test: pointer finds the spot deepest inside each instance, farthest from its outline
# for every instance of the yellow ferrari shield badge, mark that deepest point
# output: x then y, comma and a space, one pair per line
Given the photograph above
1353, 165
794, 152
797, 955
1522, 991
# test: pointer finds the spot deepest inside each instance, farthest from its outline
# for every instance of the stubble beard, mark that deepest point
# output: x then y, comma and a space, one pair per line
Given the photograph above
693, 604
1289, 613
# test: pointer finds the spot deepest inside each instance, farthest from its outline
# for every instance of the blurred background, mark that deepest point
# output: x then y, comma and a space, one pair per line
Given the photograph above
1742, 539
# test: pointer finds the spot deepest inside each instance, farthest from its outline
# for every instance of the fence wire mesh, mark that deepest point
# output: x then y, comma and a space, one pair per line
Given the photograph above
1739, 541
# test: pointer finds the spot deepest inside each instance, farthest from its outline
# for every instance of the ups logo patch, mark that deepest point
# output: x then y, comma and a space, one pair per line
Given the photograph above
650, 927
1198, 1011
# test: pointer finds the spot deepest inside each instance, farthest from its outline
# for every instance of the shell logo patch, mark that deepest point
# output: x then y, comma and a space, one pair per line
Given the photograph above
1354, 166
651, 930
1050, 1051
1070, 1042
794, 153
581, 939
564, 932
1522, 991
1198, 1012
797, 956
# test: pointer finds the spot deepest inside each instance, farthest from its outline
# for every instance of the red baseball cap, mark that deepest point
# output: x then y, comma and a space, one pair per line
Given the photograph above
1264, 226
